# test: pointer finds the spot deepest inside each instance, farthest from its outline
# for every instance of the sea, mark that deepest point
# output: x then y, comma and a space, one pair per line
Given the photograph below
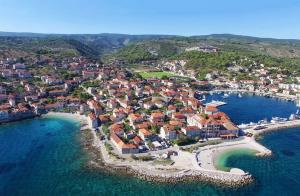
44, 156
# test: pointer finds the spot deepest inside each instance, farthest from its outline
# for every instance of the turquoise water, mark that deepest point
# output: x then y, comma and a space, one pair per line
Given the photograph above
44, 157
222, 159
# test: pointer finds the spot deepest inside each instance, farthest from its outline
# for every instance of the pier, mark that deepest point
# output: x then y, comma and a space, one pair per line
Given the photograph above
272, 127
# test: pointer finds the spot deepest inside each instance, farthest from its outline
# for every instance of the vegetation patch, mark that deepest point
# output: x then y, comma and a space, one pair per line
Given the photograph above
156, 74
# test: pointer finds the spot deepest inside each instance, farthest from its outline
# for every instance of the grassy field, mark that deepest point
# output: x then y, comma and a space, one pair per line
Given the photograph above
156, 74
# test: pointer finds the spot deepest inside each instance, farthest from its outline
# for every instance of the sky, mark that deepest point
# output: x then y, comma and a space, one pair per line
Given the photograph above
261, 18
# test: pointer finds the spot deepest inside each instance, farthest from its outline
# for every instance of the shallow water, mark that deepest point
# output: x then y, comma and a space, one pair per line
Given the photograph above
222, 159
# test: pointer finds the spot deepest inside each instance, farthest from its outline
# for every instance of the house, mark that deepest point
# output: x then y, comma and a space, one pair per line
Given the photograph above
122, 147
208, 124
168, 132
179, 116
171, 109
89, 74
209, 110
118, 114
213, 125
92, 121
148, 105
19, 66
157, 117
145, 134
104, 119
96, 106
137, 140
191, 131
117, 129
56, 92
112, 103
135, 118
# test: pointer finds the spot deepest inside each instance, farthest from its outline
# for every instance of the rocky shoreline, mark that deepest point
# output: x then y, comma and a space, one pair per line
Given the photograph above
97, 162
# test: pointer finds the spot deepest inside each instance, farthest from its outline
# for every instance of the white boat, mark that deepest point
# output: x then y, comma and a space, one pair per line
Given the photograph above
243, 126
263, 122
278, 120
216, 103
225, 95
240, 95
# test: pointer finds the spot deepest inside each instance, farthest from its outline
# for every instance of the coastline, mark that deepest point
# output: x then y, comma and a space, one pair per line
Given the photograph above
179, 172
196, 166
73, 116
278, 96
219, 161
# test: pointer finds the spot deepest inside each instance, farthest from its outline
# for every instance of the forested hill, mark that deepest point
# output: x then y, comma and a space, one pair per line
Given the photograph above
161, 48
134, 48
91, 45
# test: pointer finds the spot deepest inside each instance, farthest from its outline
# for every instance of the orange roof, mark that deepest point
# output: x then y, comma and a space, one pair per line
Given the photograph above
145, 132
134, 116
137, 139
176, 123
116, 127
158, 115
172, 107
129, 146
116, 138
191, 128
211, 108
142, 125
178, 115
168, 128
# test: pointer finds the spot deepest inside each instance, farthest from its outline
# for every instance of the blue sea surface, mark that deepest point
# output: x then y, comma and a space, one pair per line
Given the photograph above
251, 108
44, 157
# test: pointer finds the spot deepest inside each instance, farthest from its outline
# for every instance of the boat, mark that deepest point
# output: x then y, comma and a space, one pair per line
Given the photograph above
278, 120
292, 117
298, 103
262, 122
216, 103
243, 126
225, 95
240, 95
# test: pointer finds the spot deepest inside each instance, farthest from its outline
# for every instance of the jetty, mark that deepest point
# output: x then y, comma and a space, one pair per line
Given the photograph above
272, 127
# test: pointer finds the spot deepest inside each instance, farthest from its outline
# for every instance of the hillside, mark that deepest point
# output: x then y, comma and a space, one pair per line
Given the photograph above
243, 51
155, 49
136, 48
92, 45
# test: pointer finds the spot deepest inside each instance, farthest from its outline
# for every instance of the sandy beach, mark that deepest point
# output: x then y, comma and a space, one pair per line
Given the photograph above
81, 118
206, 155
